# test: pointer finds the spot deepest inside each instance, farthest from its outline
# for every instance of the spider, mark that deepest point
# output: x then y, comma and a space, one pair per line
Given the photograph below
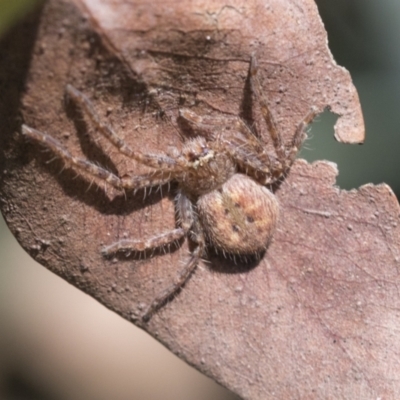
222, 199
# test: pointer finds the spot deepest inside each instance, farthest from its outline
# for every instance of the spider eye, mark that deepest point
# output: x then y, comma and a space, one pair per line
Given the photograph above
192, 156
195, 156
205, 150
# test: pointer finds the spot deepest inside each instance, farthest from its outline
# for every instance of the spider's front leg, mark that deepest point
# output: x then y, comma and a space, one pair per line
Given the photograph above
233, 136
159, 161
256, 161
84, 167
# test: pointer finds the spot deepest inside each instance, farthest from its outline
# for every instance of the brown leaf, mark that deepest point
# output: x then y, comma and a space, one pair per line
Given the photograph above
318, 316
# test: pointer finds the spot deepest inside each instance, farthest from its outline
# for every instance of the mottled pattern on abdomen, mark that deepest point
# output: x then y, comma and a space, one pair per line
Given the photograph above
240, 217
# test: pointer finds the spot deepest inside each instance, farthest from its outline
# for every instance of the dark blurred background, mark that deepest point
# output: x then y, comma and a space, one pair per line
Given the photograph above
364, 37
58, 343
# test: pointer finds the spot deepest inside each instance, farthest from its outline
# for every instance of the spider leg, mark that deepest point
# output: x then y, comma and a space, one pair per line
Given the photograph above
189, 223
286, 154
240, 142
198, 124
159, 161
156, 178
131, 246
179, 281
208, 127
251, 138
184, 209
248, 152
258, 166
299, 136
269, 120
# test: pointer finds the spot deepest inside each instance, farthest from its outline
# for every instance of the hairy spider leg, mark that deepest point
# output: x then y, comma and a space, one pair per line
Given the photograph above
197, 236
207, 127
258, 160
179, 281
185, 220
132, 246
266, 113
159, 161
241, 143
156, 178
286, 154
300, 136
250, 155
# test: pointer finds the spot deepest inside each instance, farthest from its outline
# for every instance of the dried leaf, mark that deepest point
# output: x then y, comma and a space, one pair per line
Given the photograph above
318, 316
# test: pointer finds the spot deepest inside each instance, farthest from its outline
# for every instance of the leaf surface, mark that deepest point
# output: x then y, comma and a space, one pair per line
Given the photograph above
318, 316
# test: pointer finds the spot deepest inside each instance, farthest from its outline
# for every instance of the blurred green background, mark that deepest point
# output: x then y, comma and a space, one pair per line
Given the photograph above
57, 343
11, 11
364, 37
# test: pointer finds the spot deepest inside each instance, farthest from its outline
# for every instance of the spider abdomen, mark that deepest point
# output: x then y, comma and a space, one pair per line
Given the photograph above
240, 217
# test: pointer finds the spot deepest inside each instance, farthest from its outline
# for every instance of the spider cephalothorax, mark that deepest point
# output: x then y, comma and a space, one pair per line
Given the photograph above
222, 199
